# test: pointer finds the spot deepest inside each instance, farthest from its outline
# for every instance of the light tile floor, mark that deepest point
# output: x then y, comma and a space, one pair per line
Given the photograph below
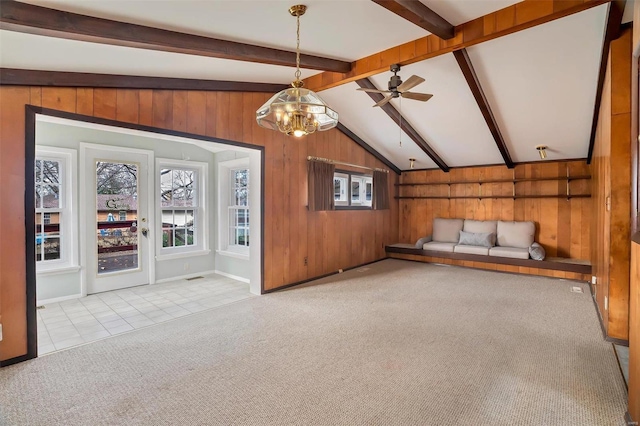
75, 322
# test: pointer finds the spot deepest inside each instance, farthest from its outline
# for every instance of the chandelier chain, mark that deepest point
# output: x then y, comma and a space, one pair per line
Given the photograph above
298, 48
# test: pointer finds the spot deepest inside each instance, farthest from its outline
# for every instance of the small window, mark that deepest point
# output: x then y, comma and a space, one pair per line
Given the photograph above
340, 185
55, 218
353, 190
181, 193
239, 208
122, 215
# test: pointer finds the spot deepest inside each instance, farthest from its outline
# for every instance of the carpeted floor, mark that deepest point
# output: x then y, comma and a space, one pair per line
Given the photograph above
401, 343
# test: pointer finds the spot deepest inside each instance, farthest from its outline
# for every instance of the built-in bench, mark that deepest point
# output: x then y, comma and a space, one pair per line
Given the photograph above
551, 263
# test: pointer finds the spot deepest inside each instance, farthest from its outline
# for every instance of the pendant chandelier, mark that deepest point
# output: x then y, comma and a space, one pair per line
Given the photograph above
296, 111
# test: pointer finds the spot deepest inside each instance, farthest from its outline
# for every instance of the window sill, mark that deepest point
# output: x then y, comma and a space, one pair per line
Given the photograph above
235, 254
182, 255
58, 271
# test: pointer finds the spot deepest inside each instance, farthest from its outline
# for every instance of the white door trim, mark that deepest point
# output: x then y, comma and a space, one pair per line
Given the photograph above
83, 206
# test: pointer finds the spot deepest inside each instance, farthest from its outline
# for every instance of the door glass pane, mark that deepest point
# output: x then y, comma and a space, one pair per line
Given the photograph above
117, 193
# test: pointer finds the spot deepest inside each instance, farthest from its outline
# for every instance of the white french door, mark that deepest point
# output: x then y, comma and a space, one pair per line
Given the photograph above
115, 217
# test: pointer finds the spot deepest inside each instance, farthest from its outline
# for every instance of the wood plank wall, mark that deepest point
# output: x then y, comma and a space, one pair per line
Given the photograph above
328, 240
611, 170
562, 226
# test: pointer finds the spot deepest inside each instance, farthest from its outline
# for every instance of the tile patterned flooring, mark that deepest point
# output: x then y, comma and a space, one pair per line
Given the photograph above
98, 316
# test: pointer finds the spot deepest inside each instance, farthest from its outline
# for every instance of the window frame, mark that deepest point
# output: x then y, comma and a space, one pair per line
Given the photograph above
226, 190
363, 179
201, 209
67, 209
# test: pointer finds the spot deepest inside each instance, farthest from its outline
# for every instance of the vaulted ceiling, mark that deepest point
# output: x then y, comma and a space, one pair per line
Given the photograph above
539, 83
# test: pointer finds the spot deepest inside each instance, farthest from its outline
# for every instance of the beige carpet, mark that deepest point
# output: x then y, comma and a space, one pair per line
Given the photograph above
402, 343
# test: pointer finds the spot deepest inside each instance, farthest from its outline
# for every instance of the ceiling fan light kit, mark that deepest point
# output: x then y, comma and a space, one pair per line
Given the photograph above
296, 111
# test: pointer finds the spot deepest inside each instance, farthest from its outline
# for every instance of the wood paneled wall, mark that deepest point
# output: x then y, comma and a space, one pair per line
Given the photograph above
562, 226
611, 171
327, 240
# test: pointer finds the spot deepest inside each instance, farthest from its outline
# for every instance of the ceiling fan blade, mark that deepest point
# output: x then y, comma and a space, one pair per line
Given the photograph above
411, 82
424, 97
384, 101
373, 90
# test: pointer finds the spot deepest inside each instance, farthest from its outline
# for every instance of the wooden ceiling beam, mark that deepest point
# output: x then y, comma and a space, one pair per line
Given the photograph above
614, 21
393, 113
517, 17
420, 15
31, 19
474, 84
19, 77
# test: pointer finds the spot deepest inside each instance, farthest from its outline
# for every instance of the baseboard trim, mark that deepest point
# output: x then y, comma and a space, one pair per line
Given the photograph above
183, 277
233, 277
613, 340
58, 299
629, 420
16, 360
287, 286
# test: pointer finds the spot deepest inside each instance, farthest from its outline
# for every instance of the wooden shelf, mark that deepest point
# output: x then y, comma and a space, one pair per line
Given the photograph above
471, 197
515, 180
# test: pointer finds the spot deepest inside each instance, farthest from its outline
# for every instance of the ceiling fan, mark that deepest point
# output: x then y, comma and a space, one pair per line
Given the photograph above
399, 88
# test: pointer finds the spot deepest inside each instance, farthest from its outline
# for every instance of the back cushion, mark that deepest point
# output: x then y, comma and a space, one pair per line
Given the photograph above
447, 230
480, 226
516, 234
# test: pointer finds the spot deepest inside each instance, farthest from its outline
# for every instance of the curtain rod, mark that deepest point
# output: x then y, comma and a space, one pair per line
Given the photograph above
326, 160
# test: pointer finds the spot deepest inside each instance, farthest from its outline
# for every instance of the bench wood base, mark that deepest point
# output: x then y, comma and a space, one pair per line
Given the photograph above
574, 271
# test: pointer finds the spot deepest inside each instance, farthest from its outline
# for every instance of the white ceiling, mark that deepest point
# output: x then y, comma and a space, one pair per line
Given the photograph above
540, 82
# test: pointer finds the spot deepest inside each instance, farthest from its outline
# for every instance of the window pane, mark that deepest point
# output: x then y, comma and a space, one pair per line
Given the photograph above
38, 171
355, 191
167, 228
50, 196
180, 238
368, 191
165, 187
50, 171
51, 248
122, 215
38, 194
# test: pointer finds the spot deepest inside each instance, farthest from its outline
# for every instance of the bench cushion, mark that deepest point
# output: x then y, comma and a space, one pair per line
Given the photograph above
471, 249
438, 246
516, 234
513, 252
447, 230
480, 226
486, 239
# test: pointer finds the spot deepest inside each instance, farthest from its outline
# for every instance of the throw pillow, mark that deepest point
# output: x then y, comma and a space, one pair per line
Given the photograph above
422, 241
484, 239
536, 251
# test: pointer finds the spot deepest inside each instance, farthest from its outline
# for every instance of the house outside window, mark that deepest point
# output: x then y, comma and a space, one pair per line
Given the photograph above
181, 195
122, 215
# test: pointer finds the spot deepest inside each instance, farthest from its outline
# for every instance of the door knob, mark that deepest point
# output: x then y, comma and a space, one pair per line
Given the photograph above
144, 231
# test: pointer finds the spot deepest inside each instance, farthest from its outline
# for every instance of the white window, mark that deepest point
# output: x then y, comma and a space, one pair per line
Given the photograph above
122, 215
361, 188
352, 190
341, 189
55, 215
234, 208
239, 208
181, 198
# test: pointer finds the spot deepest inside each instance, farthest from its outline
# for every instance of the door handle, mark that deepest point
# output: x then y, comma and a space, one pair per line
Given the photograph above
144, 231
